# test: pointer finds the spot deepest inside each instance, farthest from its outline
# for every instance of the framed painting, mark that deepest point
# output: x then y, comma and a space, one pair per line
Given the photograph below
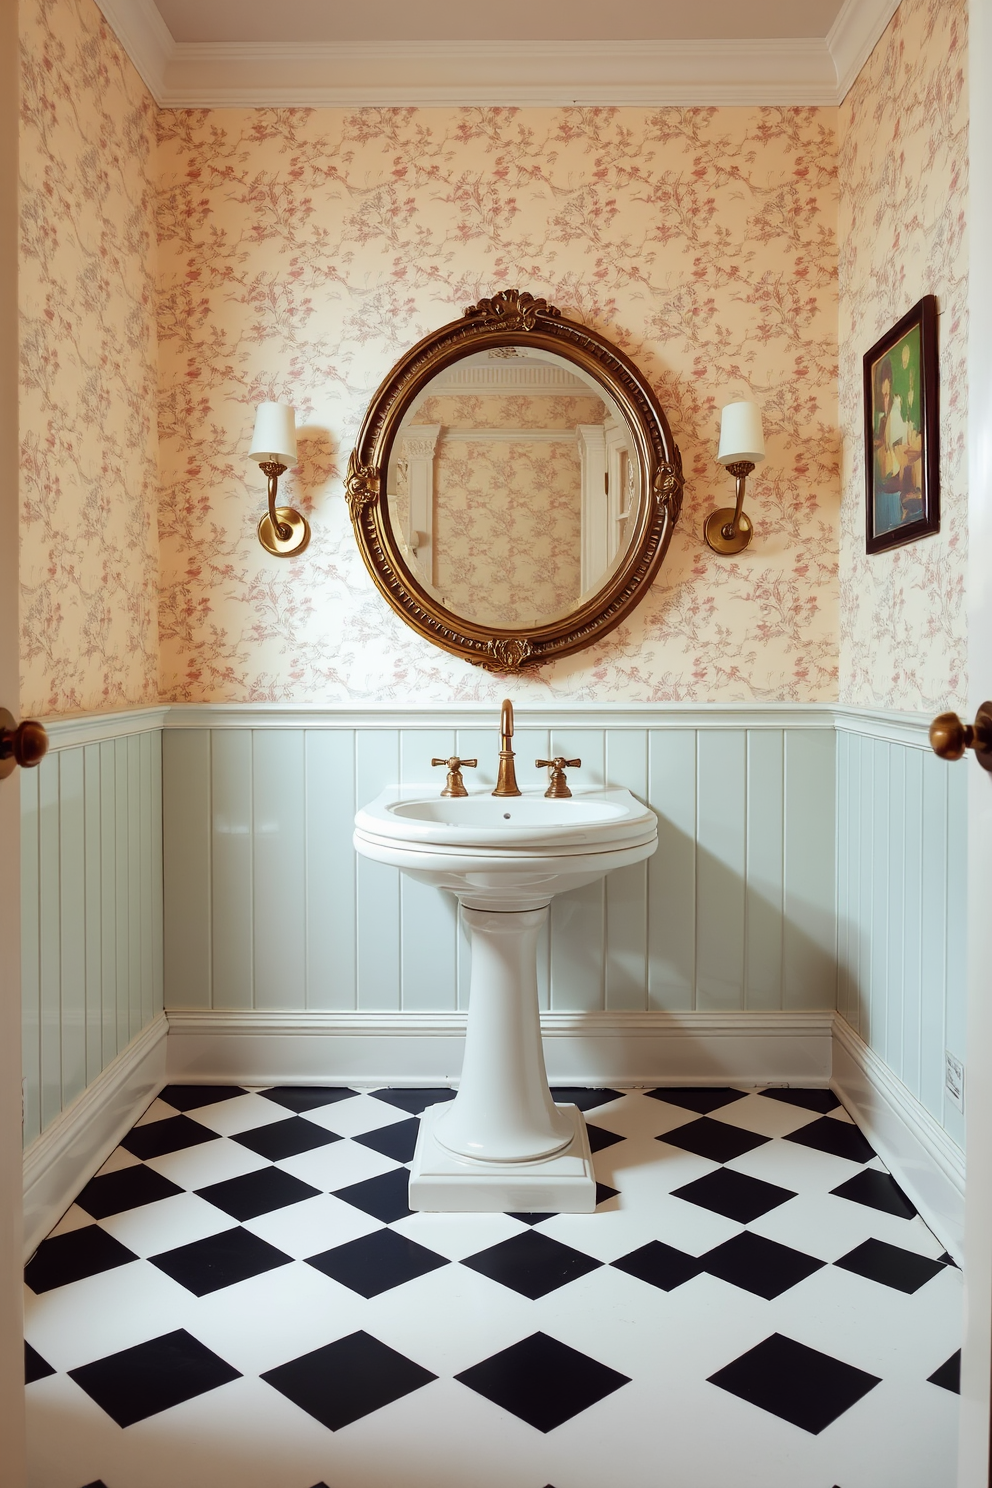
902, 453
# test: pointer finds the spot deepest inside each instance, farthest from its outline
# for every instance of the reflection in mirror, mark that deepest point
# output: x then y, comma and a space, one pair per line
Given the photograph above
513, 487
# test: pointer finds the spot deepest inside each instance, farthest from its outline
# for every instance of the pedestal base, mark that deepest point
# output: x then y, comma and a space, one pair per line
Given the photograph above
563, 1184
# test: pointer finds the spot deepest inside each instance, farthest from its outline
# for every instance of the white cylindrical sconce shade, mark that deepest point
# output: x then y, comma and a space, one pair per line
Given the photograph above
274, 439
741, 436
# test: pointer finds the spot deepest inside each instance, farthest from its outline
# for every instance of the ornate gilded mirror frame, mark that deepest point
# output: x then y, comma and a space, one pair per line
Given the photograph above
513, 318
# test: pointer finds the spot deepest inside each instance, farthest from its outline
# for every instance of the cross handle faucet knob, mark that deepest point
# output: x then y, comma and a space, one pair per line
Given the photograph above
558, 788
455, 785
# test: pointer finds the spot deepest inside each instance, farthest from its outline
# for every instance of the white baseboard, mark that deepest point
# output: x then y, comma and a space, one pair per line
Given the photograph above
79, 1141
621, 1048
914, 1147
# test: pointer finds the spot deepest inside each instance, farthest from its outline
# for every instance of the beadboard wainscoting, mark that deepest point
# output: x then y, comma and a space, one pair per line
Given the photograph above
268, 907
91, 940
901, 949
901, 912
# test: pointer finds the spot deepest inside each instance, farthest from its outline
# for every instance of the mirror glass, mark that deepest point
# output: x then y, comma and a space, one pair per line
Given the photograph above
513, 487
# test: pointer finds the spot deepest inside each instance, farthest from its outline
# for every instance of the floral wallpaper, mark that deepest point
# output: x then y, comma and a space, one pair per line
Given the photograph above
302, 251
88, 457
903, 212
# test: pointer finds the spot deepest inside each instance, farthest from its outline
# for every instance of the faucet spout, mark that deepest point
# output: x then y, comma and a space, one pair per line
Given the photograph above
506, 780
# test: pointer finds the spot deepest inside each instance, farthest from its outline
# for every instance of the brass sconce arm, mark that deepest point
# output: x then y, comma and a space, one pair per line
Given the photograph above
727, 529
282, 530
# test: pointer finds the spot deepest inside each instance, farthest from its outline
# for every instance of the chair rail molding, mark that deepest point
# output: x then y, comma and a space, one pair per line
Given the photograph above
789, 71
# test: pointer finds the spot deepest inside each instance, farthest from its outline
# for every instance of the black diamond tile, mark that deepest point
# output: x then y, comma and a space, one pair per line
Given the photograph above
734, 1195
600, 1138
542, 1381
581, 1096
533, 1217
891, 1265
285, 1138
796, 1383
141, 1381
219, 1261
35, 1367
810, 1100
660, 1265
384, 1197
948, 1260
713, 1139
415, 1101
307, 1097
376, 1263
760, 1266
128, 1188
840, 1138
348, 1379
257, 1193
877, 1191
701, 1098
532, 1264
97, 1483
948, 1376
189, 1097
173, 1134
73, 1256
396, 1141
604, 1192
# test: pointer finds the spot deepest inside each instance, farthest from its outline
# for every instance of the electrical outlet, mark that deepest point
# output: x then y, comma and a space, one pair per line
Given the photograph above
954, 1079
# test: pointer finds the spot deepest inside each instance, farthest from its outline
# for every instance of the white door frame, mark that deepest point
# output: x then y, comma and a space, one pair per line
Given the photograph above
12, 1463
973, 1459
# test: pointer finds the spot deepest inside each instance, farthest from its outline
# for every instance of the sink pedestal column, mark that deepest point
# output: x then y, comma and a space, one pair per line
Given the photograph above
502, 1144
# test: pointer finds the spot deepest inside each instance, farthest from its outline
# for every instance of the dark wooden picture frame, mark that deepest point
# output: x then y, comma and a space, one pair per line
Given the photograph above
902, 436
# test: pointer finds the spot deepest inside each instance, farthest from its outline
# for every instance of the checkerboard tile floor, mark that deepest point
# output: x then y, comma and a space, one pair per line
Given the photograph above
242, 1299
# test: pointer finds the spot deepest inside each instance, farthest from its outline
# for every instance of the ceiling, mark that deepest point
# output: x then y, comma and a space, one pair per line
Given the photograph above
512, 20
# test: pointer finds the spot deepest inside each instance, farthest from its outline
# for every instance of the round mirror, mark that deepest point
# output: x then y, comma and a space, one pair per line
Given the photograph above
514, 486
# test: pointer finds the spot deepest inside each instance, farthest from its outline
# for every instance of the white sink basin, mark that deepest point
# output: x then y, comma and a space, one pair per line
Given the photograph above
530, 827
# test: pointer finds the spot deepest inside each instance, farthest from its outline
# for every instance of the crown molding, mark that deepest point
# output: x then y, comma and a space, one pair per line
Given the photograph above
787, 72
853, 37
141, 31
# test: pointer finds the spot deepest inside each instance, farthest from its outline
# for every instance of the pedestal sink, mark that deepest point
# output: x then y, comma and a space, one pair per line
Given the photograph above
502, 1143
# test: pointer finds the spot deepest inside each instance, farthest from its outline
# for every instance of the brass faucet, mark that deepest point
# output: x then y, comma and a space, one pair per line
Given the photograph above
506, 780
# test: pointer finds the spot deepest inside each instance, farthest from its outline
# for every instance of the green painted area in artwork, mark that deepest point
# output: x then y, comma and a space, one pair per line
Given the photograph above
897, 425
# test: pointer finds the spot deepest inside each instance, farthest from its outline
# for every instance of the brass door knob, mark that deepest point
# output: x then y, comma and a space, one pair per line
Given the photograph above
949, 737
24, 744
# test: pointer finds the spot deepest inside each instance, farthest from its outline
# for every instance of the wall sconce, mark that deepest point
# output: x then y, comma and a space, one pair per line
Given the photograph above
282, 531
742, 446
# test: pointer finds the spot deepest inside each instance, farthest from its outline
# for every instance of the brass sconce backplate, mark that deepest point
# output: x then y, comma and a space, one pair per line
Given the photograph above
289, 521
720, 522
